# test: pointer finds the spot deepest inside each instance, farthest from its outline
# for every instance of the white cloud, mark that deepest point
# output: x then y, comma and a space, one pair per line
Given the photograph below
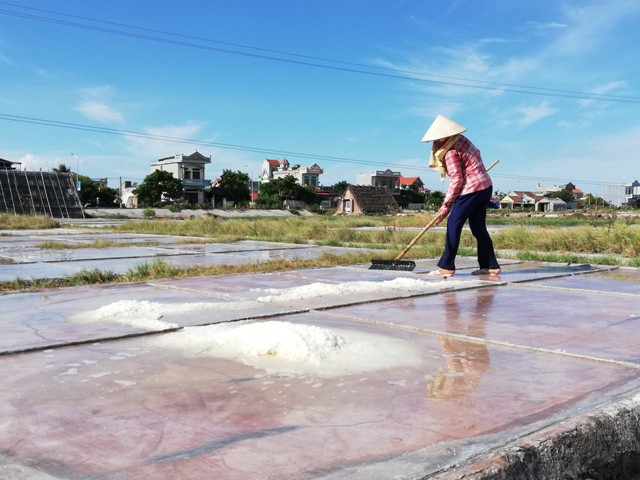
589, 25
164, 146
608, 87
532, 114
494, 40
5, 59
100, 92
46, 74
547, 25
604, 89
100, 112
34, 162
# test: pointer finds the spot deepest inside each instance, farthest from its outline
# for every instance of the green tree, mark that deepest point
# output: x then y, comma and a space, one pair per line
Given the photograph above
277, 190
62, 168
234, 186
340, 187
156, 186
435, 199
410, 196
564, 195
94, 193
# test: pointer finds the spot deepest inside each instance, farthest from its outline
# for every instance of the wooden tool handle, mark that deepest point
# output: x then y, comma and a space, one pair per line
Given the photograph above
427, 227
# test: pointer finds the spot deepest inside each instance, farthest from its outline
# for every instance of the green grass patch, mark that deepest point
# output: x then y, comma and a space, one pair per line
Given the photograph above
570, 258
620, 239
84, 277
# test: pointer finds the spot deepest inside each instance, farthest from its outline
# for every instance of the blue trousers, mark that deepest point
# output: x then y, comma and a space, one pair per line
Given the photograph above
473, 207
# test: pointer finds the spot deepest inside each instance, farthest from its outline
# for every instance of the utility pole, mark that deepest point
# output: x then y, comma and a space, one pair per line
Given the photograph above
77, 171
250, 182
120, 193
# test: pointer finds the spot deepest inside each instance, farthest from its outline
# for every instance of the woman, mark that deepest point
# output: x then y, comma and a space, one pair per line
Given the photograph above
467, 197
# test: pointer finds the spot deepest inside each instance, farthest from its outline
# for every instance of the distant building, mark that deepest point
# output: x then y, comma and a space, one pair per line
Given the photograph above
544, 191
274, 168
8, 164
190, 170
618, 193
366, 199
127, 196
519, 199
103, 182
550, 205
328, 199
379, 178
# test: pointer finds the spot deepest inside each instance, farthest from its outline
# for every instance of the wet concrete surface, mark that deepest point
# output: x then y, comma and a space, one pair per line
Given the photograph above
21, 256
132, 381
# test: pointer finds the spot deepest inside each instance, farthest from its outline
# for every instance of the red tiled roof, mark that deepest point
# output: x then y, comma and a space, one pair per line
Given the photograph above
576, 190
407, 180
275, 163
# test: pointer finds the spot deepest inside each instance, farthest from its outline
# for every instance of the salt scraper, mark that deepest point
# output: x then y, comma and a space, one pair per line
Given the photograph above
407, 265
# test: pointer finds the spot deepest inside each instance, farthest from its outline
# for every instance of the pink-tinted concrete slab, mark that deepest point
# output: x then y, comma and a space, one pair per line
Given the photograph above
66, 255
572, 322
256, 256
241, 246
138, 408
245, 286
622, 280
425, 265
319, 288
533, 271
72, 315
27, 271
348, 273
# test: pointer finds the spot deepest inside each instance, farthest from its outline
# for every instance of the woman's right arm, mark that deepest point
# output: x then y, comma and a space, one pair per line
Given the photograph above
456, 184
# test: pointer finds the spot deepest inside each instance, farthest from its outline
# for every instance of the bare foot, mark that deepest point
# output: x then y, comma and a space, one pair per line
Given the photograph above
441, 272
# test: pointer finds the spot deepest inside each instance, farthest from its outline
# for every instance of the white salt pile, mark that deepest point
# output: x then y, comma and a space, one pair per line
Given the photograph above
315, 290
146, 315
291, 348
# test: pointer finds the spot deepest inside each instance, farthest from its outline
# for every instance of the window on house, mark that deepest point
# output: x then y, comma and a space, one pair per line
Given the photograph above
187, 174
196, 174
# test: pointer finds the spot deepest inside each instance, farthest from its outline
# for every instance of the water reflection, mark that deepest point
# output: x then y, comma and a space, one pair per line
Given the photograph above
466, 360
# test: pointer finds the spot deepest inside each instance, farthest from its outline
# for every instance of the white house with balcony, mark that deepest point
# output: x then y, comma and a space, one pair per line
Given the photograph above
190, 170
273, 169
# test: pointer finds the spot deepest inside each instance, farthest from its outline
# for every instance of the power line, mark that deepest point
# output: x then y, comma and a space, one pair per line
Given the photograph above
311, 57
245, 148
397, 73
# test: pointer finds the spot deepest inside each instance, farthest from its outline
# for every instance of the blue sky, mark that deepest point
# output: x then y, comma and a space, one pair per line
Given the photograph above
52, 71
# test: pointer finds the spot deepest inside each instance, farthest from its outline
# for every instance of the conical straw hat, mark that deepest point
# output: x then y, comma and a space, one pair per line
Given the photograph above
442, 127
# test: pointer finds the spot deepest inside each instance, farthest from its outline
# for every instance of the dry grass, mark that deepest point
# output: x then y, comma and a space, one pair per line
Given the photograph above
26, 222
621, 239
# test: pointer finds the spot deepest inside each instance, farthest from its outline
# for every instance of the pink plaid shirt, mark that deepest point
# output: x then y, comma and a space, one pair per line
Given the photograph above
466, 171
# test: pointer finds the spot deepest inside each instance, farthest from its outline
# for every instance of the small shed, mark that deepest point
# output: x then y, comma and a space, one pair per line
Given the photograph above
365, 200
551, 205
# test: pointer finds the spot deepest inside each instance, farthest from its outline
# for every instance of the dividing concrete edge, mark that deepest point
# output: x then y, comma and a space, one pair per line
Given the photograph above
603, 444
